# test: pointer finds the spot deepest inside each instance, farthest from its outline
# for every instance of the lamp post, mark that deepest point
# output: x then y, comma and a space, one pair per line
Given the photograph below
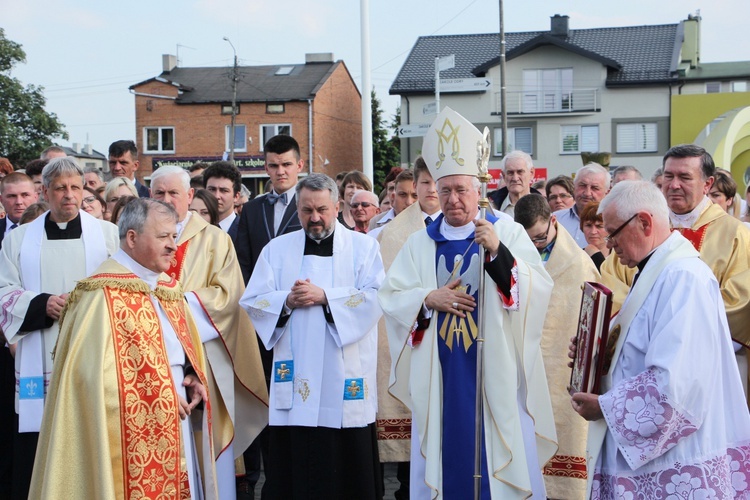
235, 78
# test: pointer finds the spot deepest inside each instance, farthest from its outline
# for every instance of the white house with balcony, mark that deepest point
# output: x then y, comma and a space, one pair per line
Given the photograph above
568, 91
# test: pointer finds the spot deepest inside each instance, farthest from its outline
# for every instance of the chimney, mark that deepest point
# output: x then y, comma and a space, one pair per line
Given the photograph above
690, 52
88, 149
559, 25
76, 146
320, 57
168, 62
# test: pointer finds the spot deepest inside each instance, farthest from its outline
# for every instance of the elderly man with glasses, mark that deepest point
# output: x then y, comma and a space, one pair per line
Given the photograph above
569, 267
671, 420
364, 206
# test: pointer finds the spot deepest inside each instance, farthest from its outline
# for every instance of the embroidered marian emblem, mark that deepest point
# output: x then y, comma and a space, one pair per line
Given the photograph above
283, 371
257, 310
451, 138
354, 389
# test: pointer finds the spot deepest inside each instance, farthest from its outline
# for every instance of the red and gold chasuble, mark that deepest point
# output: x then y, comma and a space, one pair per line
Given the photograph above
153, 452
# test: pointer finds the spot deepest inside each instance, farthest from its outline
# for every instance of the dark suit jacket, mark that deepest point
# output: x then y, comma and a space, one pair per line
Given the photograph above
143, 191
232, 231
256, 230
498, 197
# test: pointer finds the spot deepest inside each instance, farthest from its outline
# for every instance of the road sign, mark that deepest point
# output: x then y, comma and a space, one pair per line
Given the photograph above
446, 62
464, 84
430, 108
412, 130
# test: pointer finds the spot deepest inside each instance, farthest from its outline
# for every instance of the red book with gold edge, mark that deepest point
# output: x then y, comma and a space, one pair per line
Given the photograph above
591, 339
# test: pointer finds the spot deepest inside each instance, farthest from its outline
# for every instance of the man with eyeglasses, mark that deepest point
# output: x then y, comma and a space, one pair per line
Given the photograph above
364, 207
671, 420
723, 241
569, 267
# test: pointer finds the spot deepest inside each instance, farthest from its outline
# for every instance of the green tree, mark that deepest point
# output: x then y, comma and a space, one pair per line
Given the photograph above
25, 127
385, 151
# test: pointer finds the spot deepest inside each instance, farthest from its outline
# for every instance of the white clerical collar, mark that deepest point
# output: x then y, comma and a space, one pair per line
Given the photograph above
456, 233
227, 222
687, 220
147, 275
181, 225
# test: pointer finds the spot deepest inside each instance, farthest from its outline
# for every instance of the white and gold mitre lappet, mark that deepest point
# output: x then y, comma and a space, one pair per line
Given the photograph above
453, 146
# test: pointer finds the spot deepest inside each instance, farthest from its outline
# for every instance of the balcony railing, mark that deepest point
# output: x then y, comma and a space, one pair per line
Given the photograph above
550, 101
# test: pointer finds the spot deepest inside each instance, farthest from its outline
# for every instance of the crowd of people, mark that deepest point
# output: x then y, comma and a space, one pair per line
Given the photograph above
178, 340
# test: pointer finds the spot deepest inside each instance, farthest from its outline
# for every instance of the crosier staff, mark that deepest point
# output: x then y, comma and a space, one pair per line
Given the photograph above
483, 158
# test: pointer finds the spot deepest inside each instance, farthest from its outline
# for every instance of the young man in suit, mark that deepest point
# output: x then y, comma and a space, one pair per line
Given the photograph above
261, 220
223, 180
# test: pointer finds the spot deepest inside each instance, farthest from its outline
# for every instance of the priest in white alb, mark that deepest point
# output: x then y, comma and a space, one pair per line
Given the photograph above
40, 264
671, 421
312, 299
429, 299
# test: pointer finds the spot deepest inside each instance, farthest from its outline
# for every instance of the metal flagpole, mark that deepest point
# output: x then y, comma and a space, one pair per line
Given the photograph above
483, 157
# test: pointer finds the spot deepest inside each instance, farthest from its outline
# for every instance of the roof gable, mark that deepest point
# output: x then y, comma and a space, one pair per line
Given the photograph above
543, 40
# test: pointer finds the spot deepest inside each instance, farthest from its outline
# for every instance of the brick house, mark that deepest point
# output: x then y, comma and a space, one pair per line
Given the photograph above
184, 115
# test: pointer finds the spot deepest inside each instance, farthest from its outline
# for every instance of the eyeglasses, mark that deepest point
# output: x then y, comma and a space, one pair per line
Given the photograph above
561, 196
543, 238
89, 200
363, 204
617, 231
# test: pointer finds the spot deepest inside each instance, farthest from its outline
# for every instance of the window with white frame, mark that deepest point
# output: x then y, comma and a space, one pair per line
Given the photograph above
636, 137
268, 131
519, 138
240, 143
547, 90
577, 138
713, 87
158, 139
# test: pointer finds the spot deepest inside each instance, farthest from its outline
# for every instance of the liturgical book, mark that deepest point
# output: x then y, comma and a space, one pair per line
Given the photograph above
593, 329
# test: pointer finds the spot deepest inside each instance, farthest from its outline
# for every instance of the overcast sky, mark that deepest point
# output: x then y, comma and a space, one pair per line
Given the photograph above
87, 53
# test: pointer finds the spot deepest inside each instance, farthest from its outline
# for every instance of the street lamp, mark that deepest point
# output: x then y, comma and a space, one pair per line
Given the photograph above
235, 78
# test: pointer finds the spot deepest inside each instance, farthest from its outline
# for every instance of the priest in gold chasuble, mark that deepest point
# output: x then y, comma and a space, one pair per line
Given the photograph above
122, 418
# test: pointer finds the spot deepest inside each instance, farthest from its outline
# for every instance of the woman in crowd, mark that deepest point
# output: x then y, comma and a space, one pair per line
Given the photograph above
116, 189
352, 182
592, 226
559, 192
93, 204
118, 206
205, 205
724, 193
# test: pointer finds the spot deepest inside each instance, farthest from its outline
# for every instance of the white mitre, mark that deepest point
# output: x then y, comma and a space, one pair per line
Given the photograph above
453, 146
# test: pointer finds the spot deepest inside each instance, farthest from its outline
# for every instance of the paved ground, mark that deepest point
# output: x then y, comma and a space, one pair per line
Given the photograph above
391, 484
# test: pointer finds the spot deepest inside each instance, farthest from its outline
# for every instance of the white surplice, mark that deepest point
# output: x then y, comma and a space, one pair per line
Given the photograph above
675, 421
31, 264
324, 356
